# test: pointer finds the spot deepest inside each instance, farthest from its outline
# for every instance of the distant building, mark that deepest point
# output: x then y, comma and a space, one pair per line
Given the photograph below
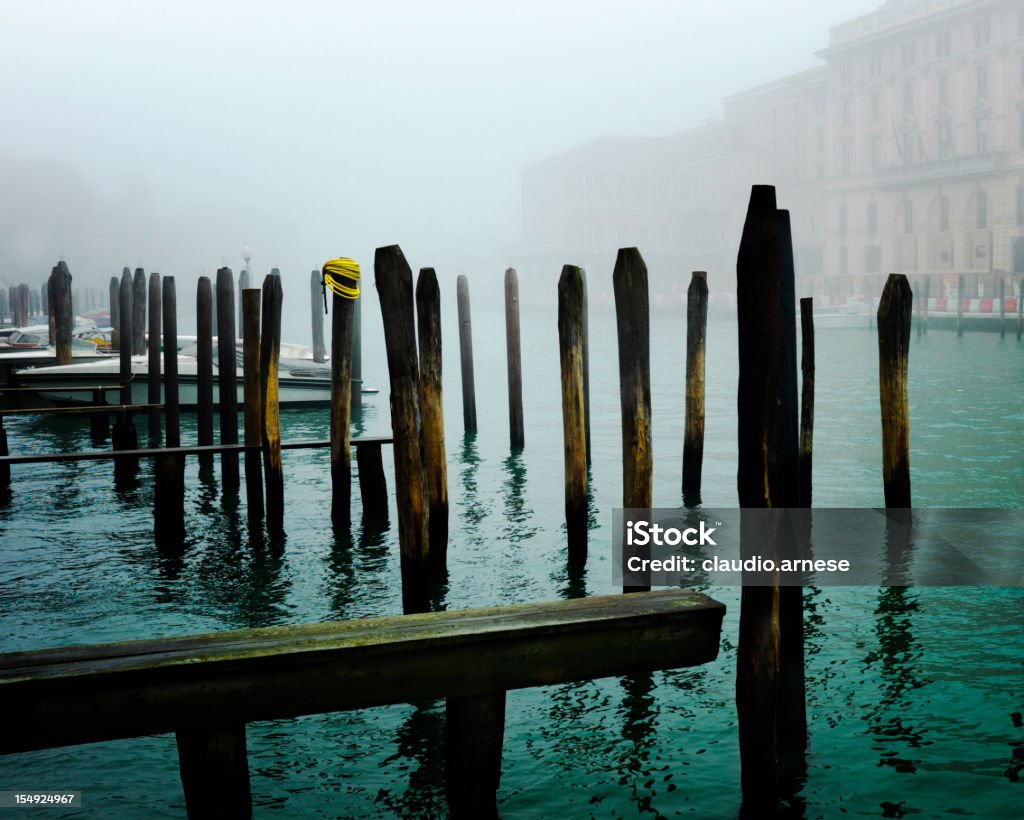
904, 152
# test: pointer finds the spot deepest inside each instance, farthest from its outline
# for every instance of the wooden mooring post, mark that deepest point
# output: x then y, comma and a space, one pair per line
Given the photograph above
243, 285
514, 356
270, 357
893, 353
63, 316
124, 435
696, 342
586, 365
428, 318
214, 768
570, 352
153, 392
169, 469
393, 279
629, 280
115, 313
317, 305
227, 381
474, 733
139, 312
252, 397
806, 400
357, 355
204, 366
342, 310
466, 355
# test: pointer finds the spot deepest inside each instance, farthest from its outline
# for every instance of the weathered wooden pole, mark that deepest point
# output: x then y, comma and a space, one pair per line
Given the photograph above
806, 400
64, 318
115, 313
373, 487
316, 303
153, 393
270, 357
517, 438
250, 302
342, 310
393, 278
139, 312
466, 356
696, 342
428, 318
51, 319
893, 351
586, 365
357, 355
204, 366
227, 367
23, 291
169, 470
1002, 308
960, 290
629, 280
758, 303
125, 300
215, 773
574, 439
124, 435
243, 285
474, 734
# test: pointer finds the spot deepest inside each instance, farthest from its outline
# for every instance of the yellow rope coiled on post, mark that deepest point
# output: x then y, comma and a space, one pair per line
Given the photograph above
341, 276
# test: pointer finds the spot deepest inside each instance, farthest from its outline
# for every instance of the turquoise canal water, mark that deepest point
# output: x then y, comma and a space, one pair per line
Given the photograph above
914, 695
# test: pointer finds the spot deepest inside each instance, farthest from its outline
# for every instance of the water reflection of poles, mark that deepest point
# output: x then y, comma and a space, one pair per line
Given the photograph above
639, 716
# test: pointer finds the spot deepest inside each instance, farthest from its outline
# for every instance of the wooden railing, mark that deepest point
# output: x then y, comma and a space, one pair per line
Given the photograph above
207, 687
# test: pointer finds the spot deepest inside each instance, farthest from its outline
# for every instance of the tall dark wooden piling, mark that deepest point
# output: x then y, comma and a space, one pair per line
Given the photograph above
342, 310
270, 357
474, 734
428, 318
51, 319
586, 365
373, 487
139, 312
806, 400
168, 470
466, 356
63, 316
252, 397
570, 351
393, 278
124, 434
115, 312
26, 308
227, 369
629, 280
1002, 308
125, 301
357, 354
696, 342
514, 356
153, 393
243, 285
215, 773
758, 302
204, 366
893, 352
316, 304
960, 292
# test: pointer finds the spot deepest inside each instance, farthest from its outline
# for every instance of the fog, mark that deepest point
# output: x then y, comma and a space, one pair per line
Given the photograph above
166, 134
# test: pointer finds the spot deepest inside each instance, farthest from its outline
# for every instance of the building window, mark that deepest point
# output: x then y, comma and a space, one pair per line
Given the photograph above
907, 54
982, 212
875, 63
872, 219
847, 158
908, 216
847, 111
943, 213
842, 220
943, 88
982, 73
876, 105
943, 44
982, 32
908, 98
846, 72
981, 131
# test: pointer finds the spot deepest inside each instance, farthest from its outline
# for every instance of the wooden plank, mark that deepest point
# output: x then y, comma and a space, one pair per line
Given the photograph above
70, 695
107, 388
78, 410
893, 353
693, 428
513, 354
574, 439
428, 317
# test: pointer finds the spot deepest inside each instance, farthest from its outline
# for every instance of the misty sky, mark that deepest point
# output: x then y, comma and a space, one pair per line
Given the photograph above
318, 129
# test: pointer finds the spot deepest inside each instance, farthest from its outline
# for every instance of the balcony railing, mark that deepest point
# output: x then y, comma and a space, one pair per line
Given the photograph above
942, 169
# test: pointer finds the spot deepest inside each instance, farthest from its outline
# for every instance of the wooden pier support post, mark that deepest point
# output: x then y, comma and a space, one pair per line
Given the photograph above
139, 312
696, 342
428, 318
317, 305
270, 357
243, 285
215, 773
393, 278
227, 367
466, 356
373, 486
124, 435
115, 313
357, 355
1002, 308
63, 316
204, 367
474, 734
514, 355
51, 319
23, 300
153, 393
250, 302
893, 351
586, 365
99, 423
806, 400
570, 352
169, 470
960, 293
5, 469
342, 310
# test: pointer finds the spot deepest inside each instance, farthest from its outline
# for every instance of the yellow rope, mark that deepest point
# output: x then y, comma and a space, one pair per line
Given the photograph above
335, 272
